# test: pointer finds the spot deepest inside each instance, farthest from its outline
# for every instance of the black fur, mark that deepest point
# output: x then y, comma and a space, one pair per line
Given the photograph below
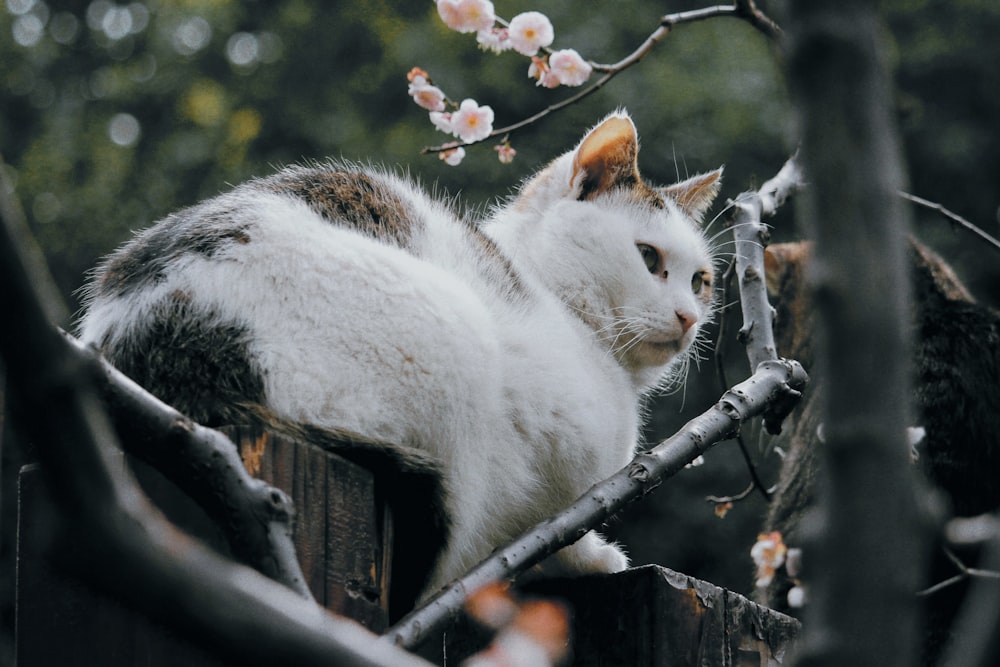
193, 361
956, 384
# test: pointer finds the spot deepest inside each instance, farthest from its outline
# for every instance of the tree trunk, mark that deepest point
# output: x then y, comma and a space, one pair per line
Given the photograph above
864, 561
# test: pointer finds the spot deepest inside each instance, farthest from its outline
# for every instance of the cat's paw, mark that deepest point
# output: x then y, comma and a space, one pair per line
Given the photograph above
593, 554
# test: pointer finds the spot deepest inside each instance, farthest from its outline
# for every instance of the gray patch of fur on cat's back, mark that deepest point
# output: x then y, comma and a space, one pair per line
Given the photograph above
349, 196
204, 229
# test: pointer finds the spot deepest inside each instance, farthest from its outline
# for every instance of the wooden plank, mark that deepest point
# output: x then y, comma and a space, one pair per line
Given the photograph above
338, 533
353, 557
338, 527
648, 617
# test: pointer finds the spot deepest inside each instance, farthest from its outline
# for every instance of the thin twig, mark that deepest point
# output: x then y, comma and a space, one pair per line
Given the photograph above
964, 572
742, 495
752, 468
742, 9
954, 218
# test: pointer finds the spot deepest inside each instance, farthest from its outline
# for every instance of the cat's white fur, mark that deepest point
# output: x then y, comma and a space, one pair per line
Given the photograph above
526, 400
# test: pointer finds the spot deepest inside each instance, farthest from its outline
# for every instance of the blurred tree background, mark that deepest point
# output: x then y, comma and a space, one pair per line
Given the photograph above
114, 114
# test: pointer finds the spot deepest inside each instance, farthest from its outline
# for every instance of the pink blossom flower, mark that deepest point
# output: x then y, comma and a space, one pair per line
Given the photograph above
441, 121
543, 75
426, 95
538, 69
505, 152
472, 122
569, 67
467, 15
529, 32
417, 72
495, 39
768, 555
452, 157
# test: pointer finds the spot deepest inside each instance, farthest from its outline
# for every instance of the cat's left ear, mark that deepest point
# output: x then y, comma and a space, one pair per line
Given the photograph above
696, 194
607, 157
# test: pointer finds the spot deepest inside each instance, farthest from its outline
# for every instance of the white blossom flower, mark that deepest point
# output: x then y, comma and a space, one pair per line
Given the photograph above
472, 122
529, 32
569, 67
426, 95
452, 157
768, 555
442, 121
467, 15
505, 152
796, 597
495, 39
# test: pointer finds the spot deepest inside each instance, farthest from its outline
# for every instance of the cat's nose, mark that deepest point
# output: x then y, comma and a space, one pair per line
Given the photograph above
686, 319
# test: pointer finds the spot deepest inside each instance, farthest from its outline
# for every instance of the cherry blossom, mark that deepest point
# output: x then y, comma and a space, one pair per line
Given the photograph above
426, 95
529, 32
495, 39
505, 152
569, 67
472, 122
452, 157
467, 15
415, 72
442, 121
539, 70
768, 555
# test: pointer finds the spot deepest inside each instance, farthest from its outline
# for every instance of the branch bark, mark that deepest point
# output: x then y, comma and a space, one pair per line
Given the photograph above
774, 387
751, 237
131, 550
868, 552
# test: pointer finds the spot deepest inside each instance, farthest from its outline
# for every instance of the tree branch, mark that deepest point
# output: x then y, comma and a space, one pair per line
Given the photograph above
742, 9
127, 547
954, 218
751, 237
774, 383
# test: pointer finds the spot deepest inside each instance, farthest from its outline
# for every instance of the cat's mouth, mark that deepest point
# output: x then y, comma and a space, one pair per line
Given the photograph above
660, 349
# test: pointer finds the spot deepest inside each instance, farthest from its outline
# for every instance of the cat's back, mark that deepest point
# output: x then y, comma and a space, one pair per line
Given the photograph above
218, 304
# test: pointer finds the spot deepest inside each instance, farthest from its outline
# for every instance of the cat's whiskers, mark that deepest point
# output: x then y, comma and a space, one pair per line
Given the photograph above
728, 228
725, 209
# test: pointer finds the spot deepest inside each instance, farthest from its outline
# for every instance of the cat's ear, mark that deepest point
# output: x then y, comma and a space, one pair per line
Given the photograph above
605, 158
694, 195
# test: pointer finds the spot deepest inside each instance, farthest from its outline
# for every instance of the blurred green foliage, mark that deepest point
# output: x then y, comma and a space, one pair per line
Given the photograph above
112, 115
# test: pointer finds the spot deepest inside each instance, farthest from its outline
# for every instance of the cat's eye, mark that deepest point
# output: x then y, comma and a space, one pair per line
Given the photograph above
650, 257
699, 281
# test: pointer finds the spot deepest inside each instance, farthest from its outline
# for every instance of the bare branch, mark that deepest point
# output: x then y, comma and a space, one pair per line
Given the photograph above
742, 9
751, 237
964, 572
954, 218
772, 384
126, 547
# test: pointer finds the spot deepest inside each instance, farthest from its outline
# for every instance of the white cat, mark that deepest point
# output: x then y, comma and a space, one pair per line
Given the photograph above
515, 353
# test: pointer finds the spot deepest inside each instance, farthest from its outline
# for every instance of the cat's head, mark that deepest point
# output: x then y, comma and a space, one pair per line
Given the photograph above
628, 257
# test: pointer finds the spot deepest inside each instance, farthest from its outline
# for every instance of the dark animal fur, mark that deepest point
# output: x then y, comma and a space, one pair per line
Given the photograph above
956, 384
